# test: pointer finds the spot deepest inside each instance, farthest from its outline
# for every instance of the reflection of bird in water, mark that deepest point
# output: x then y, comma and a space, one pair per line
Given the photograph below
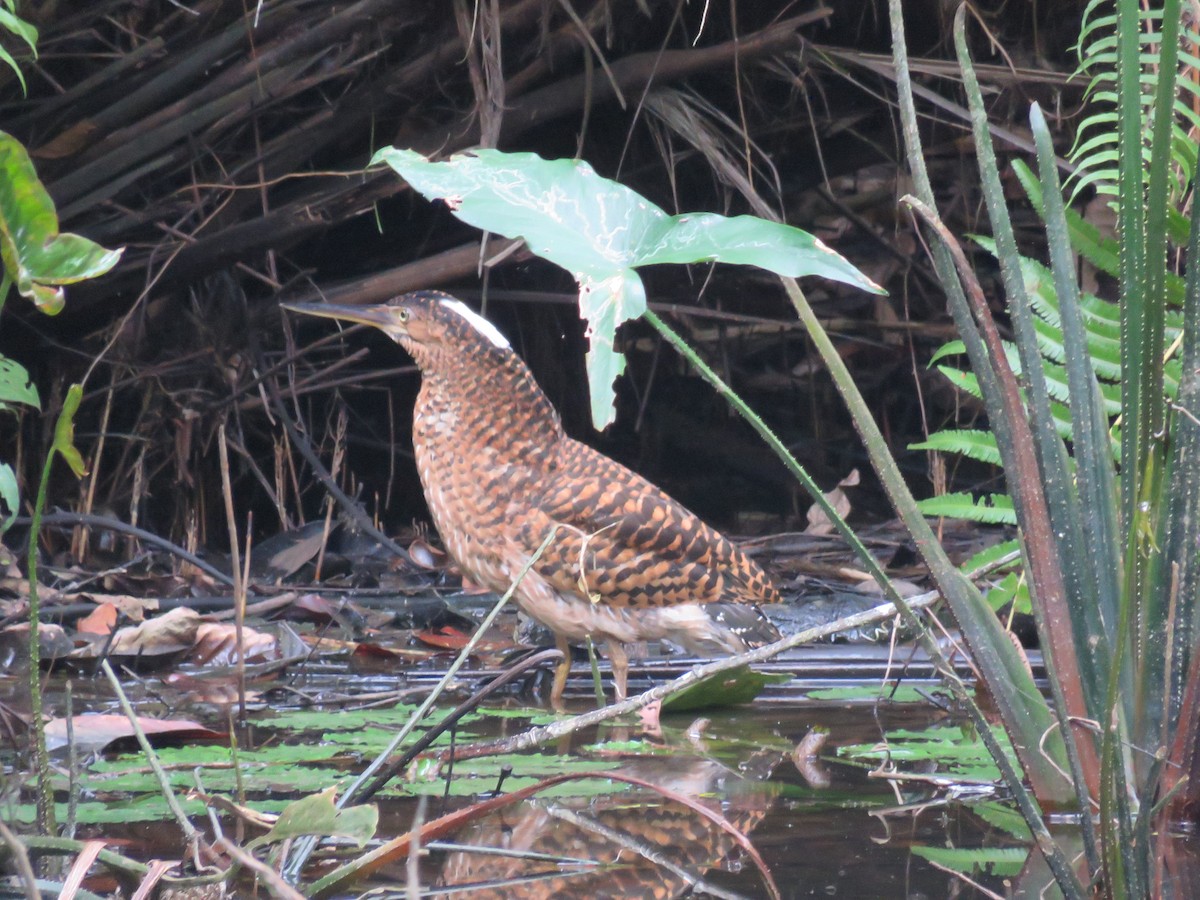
627, 563
626, 844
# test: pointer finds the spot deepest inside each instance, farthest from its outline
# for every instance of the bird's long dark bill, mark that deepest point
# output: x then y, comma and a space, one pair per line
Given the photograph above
365, 315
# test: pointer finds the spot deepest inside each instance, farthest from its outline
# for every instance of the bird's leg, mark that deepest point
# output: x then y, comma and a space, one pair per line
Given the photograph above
560, 673
620, 667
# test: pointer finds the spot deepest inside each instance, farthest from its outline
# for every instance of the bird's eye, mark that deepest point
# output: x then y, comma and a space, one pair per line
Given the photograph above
402, 315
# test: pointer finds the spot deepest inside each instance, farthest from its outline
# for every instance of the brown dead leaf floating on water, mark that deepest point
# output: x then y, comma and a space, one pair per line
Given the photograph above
93, 733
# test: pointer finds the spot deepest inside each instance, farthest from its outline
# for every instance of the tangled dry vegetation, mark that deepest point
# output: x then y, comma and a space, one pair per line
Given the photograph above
222, 144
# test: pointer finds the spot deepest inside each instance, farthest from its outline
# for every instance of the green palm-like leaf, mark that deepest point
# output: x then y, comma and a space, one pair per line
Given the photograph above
968, 383
1102, 322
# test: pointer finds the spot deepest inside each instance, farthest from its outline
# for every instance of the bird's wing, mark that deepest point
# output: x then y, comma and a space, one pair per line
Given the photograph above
622, 541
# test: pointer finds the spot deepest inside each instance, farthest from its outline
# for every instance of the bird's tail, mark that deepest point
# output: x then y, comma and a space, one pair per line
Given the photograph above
711, 629
743, 625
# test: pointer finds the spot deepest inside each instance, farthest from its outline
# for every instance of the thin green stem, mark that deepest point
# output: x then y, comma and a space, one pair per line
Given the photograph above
780, 449
41, 759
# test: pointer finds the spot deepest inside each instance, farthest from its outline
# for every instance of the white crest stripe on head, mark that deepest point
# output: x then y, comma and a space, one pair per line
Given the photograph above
478, 322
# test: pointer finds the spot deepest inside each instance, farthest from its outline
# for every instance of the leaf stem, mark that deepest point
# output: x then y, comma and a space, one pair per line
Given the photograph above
41, 759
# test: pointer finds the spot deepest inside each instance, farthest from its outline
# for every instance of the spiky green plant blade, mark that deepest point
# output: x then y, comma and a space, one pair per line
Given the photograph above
1022, 713
992, 658
1152, 592
1181, 530
1094, 620
1044, 496
1101, 251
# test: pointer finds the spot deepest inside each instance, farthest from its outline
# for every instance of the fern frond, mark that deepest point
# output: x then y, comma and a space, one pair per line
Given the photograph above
969, 442
1095, 151
990, 509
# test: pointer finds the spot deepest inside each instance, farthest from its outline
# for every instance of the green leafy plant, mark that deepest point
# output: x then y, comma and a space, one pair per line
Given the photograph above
37, 258
1109, 556
39, 261
1094, 156
1102, 323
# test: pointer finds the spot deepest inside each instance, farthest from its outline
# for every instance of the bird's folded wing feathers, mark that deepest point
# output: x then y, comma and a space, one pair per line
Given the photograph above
622, 541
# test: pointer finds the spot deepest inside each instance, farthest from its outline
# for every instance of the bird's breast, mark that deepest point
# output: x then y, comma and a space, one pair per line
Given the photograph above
472, 487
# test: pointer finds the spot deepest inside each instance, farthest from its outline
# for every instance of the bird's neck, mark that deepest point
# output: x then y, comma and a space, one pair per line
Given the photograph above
474, 402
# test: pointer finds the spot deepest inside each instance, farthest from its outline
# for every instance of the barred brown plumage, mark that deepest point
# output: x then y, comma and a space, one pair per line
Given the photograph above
627, 563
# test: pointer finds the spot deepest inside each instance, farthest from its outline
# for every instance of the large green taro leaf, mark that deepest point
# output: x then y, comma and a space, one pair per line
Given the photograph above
600, 231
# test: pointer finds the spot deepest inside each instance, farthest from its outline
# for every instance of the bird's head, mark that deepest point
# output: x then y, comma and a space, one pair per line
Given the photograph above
425, 323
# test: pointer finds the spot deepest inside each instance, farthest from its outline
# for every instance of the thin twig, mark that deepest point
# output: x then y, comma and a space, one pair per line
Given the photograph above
239, 620
649, 852
239, 577
509, 675
264, 873
189, 830
413, 863
73, 787
349, 506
